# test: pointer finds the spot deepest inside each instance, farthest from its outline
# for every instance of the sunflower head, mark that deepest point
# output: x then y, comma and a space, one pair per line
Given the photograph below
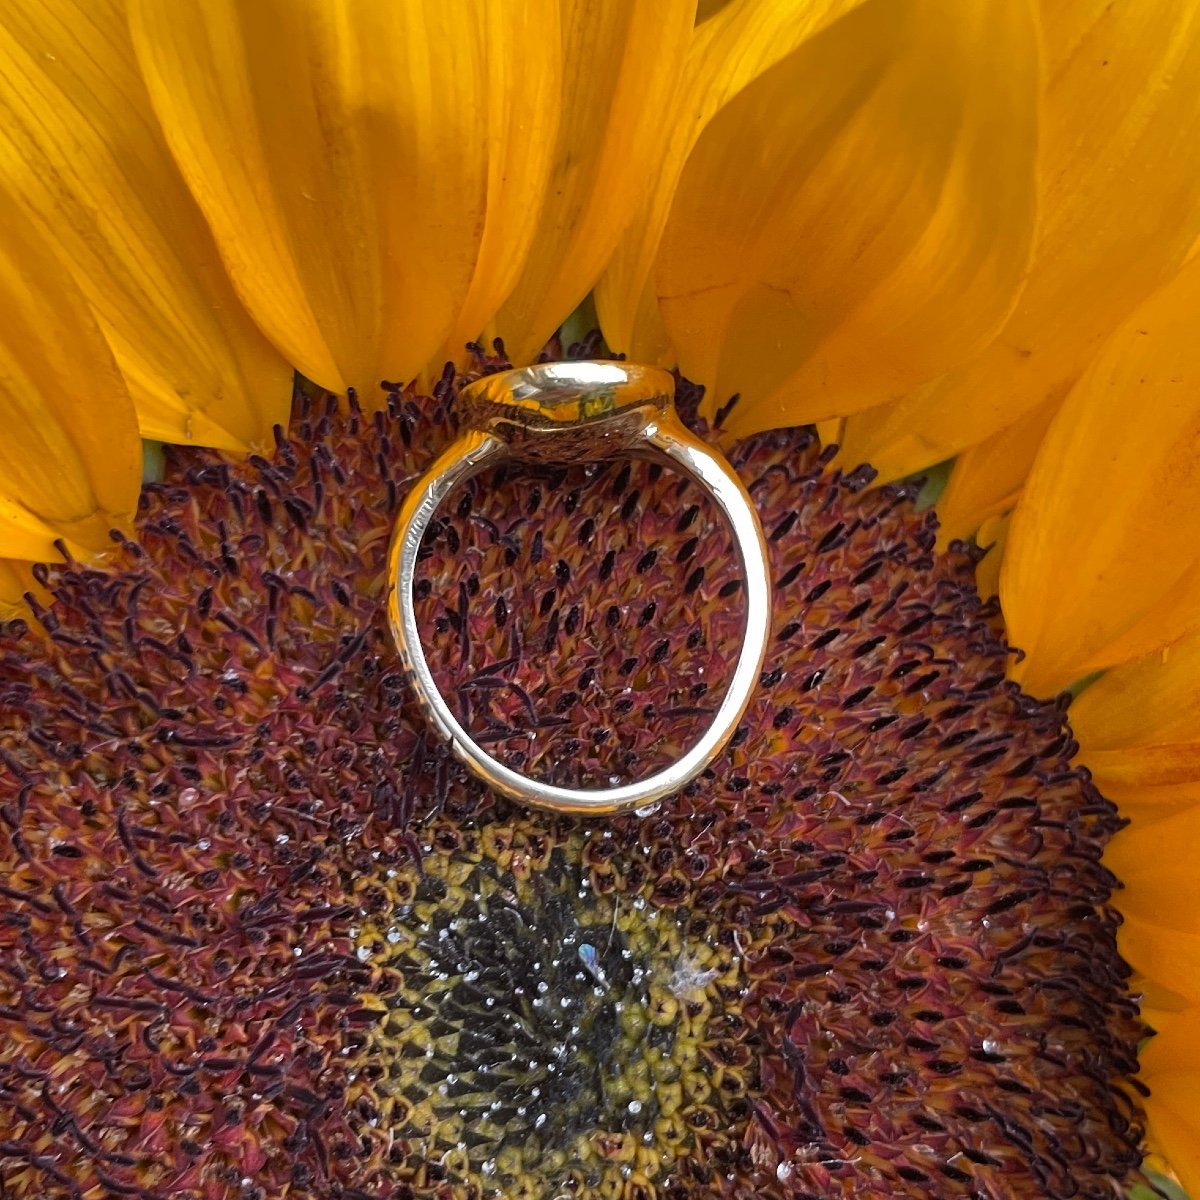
956, 234
272, 936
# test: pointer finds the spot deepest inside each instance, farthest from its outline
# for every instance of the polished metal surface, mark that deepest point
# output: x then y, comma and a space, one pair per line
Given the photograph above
578, 412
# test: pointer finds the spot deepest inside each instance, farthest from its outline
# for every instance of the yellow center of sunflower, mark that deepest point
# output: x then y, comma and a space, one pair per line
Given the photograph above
547, 1030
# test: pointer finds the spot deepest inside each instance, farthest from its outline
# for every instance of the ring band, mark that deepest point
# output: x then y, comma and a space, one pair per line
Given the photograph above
569, 413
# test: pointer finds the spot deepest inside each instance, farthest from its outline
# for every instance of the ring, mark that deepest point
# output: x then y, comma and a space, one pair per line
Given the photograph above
563, 414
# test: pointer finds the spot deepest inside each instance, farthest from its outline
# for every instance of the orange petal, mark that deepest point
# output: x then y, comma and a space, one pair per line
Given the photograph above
1137, 799
82, 152
1160, 901
1138, 725
1170, 1064
341, 152
622, 67
522, 116
993, 537
1173, 1128
1170, 957
858, 218
1107, 530
1173, 615
986, 479
70, 457
1170, 764
728, 50
1120, 211
1160, 1006
829, 433
15, 581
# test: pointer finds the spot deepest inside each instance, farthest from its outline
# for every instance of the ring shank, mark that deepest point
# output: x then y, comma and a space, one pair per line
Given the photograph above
668, 441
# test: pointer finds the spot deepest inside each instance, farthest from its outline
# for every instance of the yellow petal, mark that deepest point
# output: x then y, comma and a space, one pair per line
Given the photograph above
622, 68
993, 537
12, 586
80, 149
829, 433
522, 115
1160, 900
1173, 1128
1107, 530
22, 534
1170, 1064
1160, 1006
986, 479
1138, 725
1173, 615
16, 582
728, 50
858, 218
70, 457
1152, 701
1120, 211
1138, 799
1170, 957
341, 152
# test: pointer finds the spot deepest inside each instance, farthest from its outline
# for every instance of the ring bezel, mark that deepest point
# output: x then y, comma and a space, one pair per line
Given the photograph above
563, 413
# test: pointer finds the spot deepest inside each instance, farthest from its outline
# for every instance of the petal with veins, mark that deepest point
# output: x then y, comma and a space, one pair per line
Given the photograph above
1160, 898
70, 457
986, 480
622, 66
1119, 213
83, 154
1103, 559
874, 230
727, 52
341, 152
1137, 724
1172, 1060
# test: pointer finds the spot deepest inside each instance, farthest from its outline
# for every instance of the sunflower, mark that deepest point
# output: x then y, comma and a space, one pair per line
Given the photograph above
259, 935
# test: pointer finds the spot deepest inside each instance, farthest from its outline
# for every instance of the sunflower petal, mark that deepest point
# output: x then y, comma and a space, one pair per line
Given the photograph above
1120, 212
987, 479
1170, 1063
349, 208
1138, 800
728, 51
15, 581
523, 117
1157, 766
1159, 1004
829, 433
1173, 1126
1170, 957
873, 230
81, 151
22, 534
623, 65
1160, 899
358, 215
1103, 560
1138, 725
70, 457
993, 537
